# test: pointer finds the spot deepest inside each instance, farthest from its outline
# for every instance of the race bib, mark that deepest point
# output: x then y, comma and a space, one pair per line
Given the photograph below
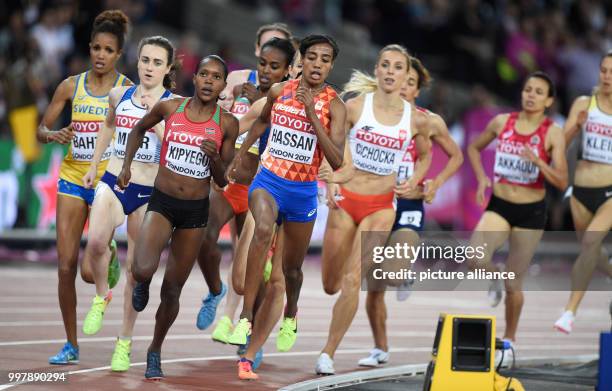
290, 144
597, 143
511, 166
187, 160
84, 141
148, 151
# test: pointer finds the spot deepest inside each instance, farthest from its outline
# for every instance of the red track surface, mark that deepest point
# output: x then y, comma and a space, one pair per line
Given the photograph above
31, 331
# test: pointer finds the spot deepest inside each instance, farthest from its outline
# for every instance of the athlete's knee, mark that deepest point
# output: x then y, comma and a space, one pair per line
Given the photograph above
67, 271
263, 231
293, 273
96, 248
276, 287
331, 287
590, 241
87, 274
170, 293
140, 272
351, 282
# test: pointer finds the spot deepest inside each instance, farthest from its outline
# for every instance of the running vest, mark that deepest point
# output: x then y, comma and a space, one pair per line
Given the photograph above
510, 167
406, 164
180, 151
597, 135
127, 114
378, 148
239, 108
292, 151
88, 114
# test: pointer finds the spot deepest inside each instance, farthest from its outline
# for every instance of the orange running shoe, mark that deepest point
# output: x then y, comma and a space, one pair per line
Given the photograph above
245, 371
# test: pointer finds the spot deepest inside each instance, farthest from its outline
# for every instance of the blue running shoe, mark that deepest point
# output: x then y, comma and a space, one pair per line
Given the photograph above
258, 359
140, 296
154, 371
207, 313
68, 355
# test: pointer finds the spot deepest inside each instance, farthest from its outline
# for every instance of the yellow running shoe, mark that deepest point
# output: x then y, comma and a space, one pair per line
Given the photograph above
223, 330
121, 356
287, 335
241, 332
93, 320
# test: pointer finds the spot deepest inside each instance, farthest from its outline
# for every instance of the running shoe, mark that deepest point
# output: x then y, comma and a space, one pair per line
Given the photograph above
566, 322
258, 359
240, 333
223, 330
508, 356
95, 316
121, 356
245, 370
287, 335
140, 296
114, 269
68, 355
208, 311
154, 371
495, 292
325, 365
375, 358
404, 291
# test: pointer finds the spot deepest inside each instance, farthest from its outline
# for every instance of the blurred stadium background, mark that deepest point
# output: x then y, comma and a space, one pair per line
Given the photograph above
477, 50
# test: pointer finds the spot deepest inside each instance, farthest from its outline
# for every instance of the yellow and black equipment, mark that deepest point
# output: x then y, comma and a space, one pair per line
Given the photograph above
463, 354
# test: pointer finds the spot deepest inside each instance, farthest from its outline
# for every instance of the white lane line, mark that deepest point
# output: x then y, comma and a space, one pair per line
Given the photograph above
304, 334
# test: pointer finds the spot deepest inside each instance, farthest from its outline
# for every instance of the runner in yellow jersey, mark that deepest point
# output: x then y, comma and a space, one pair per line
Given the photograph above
88, 95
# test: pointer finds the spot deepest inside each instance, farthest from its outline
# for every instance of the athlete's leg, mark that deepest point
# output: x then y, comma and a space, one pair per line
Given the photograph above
590, 249
523, 243
346, 305
209, 257
264, 210
339, 233
375, 301
241, 253
271, 307
153, 236
134, 223
71, 217
490, 233
184, 249
105, 215
296, 242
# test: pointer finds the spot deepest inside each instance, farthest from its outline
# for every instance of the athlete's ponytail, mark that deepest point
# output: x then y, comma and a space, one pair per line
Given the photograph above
164, 43
360, 83
113, 22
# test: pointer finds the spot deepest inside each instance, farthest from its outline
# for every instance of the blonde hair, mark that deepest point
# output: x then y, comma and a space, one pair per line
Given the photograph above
363, 83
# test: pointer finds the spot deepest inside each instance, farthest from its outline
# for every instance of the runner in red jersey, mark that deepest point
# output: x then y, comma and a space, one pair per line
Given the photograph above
307, 124
527, 143
198, 143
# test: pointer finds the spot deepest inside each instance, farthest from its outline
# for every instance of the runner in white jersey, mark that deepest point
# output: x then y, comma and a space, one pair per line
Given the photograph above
410, 213
591, 201
127, 105
381, 125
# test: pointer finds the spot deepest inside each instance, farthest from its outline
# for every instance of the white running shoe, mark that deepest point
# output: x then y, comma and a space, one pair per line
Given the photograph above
508, 356
495, 292
325, 365
375, 358
565, 323
404, 291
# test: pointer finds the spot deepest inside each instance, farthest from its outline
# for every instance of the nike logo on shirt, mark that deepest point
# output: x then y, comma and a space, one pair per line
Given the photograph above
143, 195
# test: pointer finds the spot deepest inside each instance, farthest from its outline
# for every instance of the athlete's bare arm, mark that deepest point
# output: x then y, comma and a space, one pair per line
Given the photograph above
556, 174
441, 136
63, 93
249, 118
152, 118
234, 79
494, 127
332, 145
219, 160
577, 117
